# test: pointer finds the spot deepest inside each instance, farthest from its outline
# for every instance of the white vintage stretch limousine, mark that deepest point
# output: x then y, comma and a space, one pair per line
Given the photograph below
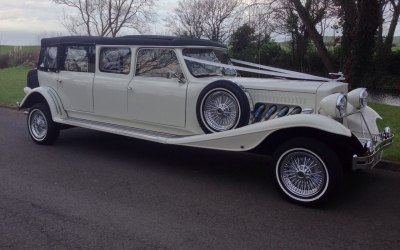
188, 92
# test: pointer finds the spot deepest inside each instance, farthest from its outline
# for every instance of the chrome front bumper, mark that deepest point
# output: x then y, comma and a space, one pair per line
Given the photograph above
374, 155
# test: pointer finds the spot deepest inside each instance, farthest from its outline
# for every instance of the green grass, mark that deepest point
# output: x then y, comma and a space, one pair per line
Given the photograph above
12, 83
396, 40
5, 49
391, 118
396, 48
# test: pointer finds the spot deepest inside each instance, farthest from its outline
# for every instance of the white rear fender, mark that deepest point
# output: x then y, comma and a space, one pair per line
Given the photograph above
43, 94
249, 137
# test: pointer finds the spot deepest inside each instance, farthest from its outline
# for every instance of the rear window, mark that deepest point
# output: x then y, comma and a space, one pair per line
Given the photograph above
48, 59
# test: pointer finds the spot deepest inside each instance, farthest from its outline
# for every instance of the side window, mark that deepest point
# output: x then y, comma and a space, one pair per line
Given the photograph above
77, 59
115, 60
157, 63
48, 59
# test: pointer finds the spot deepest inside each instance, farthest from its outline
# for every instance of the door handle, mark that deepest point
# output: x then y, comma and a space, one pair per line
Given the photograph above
59, 81
130, 89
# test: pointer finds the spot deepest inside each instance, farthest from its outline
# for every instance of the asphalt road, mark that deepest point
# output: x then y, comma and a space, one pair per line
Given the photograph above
97, 190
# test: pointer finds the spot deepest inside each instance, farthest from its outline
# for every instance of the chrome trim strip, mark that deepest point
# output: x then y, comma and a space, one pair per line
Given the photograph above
118, 129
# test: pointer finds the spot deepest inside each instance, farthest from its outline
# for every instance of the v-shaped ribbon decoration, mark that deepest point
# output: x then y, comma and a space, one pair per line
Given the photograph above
265, 70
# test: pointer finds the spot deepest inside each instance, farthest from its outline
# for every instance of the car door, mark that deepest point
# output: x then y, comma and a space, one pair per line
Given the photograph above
75, 79
157, 93
48, 67
113, 75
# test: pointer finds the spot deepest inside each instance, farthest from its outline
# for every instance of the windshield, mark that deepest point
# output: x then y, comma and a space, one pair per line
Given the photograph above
211, 55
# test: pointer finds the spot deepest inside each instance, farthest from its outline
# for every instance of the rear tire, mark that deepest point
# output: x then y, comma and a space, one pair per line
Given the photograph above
41, 127
307, 171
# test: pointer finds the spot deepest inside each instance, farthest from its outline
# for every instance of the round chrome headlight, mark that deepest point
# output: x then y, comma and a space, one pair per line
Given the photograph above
358, 98
335, 105
363, 98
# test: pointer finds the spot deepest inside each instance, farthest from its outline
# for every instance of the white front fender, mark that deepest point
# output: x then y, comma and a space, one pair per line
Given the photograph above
249, 137
357, 125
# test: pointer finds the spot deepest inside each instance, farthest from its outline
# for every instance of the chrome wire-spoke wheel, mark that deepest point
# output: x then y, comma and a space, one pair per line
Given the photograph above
221, 110
41, 127
38, 124
302, 174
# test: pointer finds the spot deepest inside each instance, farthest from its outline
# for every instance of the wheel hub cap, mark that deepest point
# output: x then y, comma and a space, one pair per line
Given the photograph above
221, 111
38, 124
302, 174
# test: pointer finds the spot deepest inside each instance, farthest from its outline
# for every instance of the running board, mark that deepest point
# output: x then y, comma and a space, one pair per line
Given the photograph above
120, 130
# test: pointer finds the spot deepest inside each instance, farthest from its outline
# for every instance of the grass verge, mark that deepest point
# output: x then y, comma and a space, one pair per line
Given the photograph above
5, 49
12, 83
391, 118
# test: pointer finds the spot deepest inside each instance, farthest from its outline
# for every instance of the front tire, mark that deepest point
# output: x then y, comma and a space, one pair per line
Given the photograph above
307, 171
41, 127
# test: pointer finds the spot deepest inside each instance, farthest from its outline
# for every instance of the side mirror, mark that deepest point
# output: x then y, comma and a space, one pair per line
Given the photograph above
180, 76
170, 75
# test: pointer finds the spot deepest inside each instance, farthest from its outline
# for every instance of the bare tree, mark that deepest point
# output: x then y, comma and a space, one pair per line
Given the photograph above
219, 22
395, 9
389, 12
360, 20
315, 36
383, 5
106, 17
287, 22
212, 19
304, 21
188, 19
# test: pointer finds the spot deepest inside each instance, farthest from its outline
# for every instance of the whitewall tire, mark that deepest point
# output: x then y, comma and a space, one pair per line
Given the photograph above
307, 171
41, 127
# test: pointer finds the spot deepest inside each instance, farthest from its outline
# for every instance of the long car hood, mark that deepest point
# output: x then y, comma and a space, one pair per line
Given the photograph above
279, 84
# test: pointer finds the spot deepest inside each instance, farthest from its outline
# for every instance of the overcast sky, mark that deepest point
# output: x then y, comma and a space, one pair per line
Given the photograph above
22, 22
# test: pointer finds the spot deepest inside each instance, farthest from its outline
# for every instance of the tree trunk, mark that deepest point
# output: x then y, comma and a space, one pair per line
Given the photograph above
314, 35
392, 27
364, 44
379, 40
349, 18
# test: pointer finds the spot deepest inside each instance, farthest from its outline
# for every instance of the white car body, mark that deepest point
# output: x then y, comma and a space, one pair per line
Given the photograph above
163, 110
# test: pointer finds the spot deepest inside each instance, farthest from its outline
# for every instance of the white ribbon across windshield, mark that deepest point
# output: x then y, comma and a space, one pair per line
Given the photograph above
267, 70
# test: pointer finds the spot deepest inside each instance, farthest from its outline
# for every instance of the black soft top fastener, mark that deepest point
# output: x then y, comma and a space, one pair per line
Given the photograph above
131, 40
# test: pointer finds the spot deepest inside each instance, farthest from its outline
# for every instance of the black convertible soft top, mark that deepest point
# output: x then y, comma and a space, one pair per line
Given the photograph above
130, 40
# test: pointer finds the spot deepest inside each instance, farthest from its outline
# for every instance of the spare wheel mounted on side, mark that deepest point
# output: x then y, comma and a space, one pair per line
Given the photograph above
222, 106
